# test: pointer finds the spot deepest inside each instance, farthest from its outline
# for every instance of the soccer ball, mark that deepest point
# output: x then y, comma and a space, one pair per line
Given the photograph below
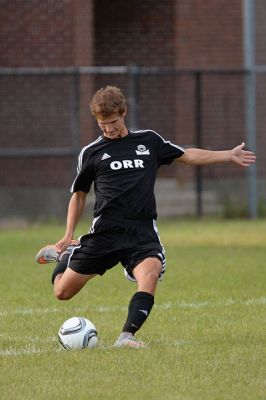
77, 333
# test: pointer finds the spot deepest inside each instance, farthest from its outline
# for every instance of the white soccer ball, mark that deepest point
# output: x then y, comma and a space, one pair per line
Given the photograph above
77, 333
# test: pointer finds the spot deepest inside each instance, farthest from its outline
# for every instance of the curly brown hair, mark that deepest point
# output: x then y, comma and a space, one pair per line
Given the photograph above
108, 100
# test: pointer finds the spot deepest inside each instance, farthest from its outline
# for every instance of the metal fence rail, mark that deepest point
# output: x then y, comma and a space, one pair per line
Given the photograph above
135, 80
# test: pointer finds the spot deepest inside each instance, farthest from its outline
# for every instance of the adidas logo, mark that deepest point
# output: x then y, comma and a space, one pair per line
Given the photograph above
105, 156
144, 312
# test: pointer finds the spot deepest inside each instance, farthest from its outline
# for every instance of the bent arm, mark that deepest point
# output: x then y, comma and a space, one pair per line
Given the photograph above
75, 209
204, 157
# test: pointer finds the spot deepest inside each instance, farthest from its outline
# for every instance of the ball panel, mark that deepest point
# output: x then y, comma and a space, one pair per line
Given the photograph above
72, 325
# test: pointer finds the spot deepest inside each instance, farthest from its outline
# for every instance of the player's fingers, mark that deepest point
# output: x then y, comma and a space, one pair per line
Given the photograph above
250, 158
247, 163
249, 153
61, 246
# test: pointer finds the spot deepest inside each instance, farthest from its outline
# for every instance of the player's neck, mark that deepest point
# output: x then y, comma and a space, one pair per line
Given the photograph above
116, 135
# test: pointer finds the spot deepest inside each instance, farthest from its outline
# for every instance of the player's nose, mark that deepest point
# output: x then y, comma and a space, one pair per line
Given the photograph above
109, 128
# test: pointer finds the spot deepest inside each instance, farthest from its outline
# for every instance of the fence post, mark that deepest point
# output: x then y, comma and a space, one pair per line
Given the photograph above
198, 140
133, 97
75, 115
250, 97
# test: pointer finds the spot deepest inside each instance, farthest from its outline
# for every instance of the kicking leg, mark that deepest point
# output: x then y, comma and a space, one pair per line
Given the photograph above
69, 283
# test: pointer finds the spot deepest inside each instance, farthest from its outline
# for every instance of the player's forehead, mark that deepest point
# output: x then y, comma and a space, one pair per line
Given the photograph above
112, 118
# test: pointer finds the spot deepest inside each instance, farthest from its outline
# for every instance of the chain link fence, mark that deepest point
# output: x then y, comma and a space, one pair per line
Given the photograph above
45, 121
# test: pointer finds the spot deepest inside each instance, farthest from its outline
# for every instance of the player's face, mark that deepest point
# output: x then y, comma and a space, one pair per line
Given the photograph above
113, 126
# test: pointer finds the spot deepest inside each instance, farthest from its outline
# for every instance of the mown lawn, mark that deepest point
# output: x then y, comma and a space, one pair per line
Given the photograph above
206, 334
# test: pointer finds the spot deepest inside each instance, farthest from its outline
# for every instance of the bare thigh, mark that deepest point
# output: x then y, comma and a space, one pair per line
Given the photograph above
69, 283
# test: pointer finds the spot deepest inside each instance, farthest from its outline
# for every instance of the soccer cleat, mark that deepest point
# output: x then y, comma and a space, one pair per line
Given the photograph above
129, 341
49, 253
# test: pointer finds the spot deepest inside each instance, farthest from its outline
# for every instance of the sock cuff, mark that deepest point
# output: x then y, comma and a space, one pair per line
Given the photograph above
143, 295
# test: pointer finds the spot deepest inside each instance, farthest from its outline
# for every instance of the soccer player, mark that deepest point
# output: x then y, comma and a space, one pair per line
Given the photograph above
123, 165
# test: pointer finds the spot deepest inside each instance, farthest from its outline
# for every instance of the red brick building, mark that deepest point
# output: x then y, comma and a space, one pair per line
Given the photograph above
38, 111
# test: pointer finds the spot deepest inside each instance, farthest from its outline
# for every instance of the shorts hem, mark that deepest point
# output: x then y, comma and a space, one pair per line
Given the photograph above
128, 270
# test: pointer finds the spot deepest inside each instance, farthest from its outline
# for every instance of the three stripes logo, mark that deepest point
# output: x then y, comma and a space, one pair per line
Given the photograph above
144, 312
105, 156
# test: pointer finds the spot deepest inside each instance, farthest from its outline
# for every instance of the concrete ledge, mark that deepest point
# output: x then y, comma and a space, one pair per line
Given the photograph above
51, 203
176, 200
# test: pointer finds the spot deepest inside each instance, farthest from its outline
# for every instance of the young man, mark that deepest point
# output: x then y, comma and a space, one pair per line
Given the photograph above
123, 167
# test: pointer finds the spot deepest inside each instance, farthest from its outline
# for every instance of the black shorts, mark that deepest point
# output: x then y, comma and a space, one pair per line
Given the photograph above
111, 241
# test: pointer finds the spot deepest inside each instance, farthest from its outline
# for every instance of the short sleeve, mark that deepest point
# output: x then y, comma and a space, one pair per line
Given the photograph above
85, 174
167, 151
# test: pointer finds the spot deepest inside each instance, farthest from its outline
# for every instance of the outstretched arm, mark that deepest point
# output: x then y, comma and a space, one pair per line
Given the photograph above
204, 157
75, 208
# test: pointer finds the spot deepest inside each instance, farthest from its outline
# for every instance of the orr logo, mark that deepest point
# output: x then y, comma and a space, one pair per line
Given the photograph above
126, 164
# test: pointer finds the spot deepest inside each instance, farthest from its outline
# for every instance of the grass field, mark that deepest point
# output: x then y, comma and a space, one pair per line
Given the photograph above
206, 334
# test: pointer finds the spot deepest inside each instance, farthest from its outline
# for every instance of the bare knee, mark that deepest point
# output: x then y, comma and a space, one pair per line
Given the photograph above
68, 284
149, 270
62, 293
147, 280
152, 276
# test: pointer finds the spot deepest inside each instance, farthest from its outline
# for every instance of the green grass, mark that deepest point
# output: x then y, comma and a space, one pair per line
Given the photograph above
206, 334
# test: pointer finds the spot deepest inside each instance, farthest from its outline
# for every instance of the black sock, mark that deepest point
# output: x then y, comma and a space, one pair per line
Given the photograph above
61, 266
138, 311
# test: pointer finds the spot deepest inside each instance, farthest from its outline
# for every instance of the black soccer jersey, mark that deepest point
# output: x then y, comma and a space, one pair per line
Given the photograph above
124, 171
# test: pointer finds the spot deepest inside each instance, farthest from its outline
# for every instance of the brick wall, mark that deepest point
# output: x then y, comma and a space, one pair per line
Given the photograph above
208, 33
260, 15
36, 33
38, 111
44, 33
134, 32
142, 33
184, 34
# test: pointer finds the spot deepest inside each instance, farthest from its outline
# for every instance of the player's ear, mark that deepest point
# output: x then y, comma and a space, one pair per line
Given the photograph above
124, 113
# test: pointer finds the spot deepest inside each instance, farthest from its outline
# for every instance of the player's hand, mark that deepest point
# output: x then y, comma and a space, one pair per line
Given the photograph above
243, 157
63, 243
